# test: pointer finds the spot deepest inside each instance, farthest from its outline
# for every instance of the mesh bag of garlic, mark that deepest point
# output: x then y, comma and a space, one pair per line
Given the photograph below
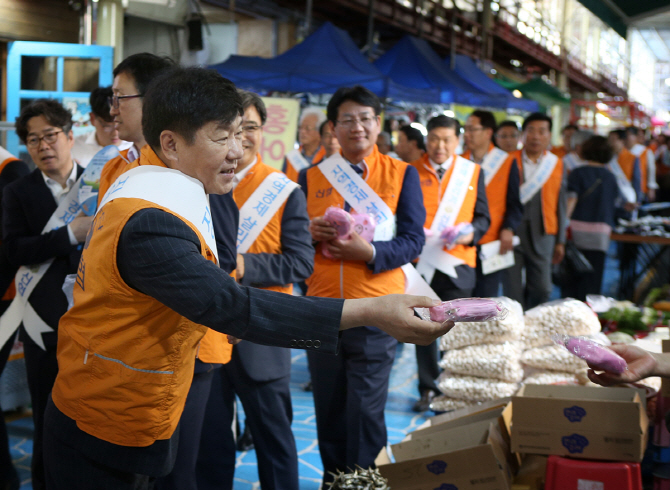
471, 388
443, 403
494, 331
552, 378
496, 361
554, 358
567, 316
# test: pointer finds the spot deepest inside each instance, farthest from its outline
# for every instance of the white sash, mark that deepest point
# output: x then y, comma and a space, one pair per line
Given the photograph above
364, 199
27, 278
492, 162
530, 187
434, 256
171, 189
625, 186
298, 161
261, 206
638, 150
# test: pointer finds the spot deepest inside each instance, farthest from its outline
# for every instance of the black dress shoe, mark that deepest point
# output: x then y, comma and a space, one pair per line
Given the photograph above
245, 442
423, 404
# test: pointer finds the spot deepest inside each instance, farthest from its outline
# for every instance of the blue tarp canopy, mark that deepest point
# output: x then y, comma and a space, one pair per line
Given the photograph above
412, 62
325, 61
468, 69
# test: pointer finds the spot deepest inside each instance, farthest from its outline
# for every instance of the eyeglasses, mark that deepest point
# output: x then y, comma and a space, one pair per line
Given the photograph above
472, 129
49, 139
365, 121
108, 128
114, 99
307, 128
251, 128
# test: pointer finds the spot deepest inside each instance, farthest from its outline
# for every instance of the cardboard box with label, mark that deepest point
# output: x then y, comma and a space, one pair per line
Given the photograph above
470, 452
580, 422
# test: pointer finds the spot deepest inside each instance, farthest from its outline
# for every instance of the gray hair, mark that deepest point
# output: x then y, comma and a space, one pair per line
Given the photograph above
309, 111
387, 137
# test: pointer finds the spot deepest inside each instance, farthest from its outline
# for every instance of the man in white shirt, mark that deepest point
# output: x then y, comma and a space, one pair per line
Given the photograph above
106, 133
573, 159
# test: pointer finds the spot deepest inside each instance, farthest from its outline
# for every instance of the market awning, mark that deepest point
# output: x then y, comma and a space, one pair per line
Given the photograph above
538, 90
619, 14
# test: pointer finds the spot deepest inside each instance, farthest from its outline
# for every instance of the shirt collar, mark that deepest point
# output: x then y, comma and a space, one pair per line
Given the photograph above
237, 178
71, 179
446, 165
133, 153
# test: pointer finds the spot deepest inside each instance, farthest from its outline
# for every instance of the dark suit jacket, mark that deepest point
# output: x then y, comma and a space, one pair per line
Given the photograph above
27, 205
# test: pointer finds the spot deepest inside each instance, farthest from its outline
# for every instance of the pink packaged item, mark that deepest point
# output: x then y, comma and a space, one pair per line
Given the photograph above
365, 226
468, 310
342, 221
452, 233
596, 356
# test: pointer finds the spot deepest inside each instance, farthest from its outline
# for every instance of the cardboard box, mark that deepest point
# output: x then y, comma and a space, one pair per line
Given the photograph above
466, 454
580, 422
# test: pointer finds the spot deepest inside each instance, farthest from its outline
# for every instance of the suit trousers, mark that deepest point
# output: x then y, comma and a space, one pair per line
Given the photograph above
269, 414
183, 474
41, 368
487, 285
535, 257
428, 356
72, 470
587, 282
350, 392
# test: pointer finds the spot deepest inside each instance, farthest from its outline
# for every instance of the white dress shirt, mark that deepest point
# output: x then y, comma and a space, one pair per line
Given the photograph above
59, 193
237, 178
446, 165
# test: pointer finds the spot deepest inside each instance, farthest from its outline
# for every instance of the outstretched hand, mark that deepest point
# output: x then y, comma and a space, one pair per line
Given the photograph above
394, 314
641, 364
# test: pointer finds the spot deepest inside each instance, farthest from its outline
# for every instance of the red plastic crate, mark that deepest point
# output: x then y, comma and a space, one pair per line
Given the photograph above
580, 474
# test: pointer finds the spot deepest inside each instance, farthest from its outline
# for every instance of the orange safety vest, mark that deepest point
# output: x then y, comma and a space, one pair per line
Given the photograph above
292, 173
496, 194
125, 359
550, 193
11, 290
559, 151
111, 171
351, 279
627, 163
433, 190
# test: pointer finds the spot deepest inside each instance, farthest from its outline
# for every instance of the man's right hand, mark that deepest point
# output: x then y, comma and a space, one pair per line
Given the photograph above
322, 230
80, 226
506, 241
641, 364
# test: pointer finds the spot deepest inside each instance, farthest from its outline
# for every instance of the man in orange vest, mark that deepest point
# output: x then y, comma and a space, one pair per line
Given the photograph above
328, 141
454, 193
148, 287
626, 168
501, 174
272, 258
311, 151
566, 147
636, 144
542, 229
350, 389
507, 136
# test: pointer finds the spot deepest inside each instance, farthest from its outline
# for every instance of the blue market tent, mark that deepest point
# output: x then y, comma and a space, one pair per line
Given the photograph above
325, 61
468, 69
412, 62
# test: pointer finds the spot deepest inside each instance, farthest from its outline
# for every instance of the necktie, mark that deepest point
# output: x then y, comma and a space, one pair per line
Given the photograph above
359, 171
440, 172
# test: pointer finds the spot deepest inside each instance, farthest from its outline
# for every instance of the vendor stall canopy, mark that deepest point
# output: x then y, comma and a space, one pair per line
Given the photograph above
619, 14
325, 61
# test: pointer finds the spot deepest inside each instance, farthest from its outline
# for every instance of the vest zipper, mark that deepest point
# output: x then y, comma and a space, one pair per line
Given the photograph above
86, 357
341, 278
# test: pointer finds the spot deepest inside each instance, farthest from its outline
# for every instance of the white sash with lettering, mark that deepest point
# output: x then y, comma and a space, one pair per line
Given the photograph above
261, 206
530, 187
171, 189
492, 162
364, 199
27, 278
434, 256
625, 186
298, 161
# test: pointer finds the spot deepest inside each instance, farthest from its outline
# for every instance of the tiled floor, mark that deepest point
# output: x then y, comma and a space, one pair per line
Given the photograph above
399, 419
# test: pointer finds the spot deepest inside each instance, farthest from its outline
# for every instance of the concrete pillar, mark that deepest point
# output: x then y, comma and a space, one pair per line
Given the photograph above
110, 27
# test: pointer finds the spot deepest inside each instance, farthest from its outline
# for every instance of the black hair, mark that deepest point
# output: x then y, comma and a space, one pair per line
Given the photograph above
52, 110
570, 126
144, 67
251, 99
597, 149
357, 94
99, 102
632, 130
183, 100
486, 119
414, 134
536, 116
322, 127
508, 124
619, 133
443, 121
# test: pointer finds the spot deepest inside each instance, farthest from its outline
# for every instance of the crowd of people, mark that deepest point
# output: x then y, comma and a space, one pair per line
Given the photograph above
134, 386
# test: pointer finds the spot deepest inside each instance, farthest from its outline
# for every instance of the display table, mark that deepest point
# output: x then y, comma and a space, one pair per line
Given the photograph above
639, 257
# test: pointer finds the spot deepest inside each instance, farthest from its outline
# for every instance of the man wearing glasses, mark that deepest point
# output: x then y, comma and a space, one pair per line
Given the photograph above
501, 174
280, 254
45, 127
131, 78
310, 151
350, 389
105, 133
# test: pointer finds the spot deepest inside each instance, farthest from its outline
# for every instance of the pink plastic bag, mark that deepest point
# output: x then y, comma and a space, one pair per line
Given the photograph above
596, 356
468, 310
452, 233
345, 223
